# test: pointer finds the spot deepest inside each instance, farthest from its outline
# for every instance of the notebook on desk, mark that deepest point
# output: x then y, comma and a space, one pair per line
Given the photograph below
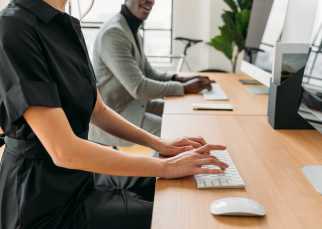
217, 93
211, 106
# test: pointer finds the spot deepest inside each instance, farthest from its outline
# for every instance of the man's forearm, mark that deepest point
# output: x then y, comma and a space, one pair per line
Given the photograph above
112, 123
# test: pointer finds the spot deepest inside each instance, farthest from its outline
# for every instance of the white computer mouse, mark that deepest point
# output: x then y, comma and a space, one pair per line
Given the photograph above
237, 207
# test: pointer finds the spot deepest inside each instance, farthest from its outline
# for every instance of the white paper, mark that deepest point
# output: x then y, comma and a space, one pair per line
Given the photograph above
216, 93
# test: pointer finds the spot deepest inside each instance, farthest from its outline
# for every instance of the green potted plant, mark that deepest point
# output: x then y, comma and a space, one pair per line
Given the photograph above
231, 42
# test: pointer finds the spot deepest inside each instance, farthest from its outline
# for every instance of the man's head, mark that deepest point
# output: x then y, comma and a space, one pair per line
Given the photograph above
140, 8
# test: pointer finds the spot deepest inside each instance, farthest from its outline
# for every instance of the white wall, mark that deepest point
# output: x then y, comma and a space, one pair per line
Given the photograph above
299, 22
199, 19
3, 4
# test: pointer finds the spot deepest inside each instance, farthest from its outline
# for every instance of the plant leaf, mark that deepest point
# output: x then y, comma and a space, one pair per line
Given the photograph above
224, 44
245, 4
229, 19
242, 21
232, 5
241, 4
248, 4
234, 36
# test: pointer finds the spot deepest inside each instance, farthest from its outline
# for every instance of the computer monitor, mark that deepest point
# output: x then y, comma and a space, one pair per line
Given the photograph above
259, 64
310, 107
298, 28
310, 102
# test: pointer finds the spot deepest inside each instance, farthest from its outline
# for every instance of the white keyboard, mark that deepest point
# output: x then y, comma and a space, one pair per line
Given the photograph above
217, 93
230, 177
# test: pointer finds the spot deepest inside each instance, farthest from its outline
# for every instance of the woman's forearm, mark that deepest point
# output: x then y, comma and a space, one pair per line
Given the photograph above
67, 150
112, 123
106, 160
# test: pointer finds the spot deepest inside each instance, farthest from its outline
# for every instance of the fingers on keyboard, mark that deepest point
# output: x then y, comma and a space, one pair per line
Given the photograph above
212, 176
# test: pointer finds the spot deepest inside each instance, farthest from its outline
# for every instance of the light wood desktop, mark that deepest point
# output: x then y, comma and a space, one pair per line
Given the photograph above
243, 102
269, 161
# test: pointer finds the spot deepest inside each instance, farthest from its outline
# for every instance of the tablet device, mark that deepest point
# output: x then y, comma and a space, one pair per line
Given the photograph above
251, 82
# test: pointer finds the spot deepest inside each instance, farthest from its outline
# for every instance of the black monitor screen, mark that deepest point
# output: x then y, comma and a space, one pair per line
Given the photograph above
311, 93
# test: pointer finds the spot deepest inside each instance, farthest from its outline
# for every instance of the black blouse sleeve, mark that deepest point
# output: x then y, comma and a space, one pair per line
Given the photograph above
24, 77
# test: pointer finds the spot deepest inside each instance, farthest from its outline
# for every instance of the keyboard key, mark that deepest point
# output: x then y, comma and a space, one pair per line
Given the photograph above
201, 185
224, 183
200, 181
214, 178
216, 183
229, 178
208, 184
231, 182
222, 180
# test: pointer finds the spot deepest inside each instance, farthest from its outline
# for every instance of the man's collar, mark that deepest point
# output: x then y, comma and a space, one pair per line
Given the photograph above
39, 8
133, 21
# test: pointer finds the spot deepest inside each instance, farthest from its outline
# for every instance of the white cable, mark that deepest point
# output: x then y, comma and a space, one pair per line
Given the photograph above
87, 11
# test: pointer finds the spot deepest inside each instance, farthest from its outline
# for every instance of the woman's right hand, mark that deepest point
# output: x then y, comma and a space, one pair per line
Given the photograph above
189, 163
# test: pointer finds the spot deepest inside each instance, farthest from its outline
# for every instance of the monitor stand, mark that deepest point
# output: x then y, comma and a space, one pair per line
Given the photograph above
314, 174
258, 90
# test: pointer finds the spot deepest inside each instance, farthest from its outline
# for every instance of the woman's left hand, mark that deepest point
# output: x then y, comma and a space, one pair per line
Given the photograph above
172, 147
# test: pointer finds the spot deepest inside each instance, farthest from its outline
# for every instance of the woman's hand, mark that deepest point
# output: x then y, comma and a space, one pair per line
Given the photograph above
189, 163
173, 147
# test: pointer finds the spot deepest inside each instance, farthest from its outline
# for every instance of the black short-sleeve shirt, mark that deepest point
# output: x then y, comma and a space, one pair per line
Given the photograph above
43, 62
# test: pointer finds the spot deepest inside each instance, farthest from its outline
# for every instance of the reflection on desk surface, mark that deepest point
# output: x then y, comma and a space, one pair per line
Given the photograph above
314, 117
311, 106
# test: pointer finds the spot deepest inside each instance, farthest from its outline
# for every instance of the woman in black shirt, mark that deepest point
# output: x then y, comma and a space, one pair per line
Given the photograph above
50, 176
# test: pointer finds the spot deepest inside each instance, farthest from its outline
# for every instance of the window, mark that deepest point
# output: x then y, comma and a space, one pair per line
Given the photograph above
313, 71
312, 75
156, 31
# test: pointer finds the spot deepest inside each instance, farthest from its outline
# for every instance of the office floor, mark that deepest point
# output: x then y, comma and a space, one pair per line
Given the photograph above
136, 149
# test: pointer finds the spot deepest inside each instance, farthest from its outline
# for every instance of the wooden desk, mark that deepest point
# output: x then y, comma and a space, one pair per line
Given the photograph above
243, 102
269, 162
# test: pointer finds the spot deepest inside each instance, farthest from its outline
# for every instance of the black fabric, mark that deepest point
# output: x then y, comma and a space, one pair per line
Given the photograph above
133, 22
44, 62
2, 136
174, 77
